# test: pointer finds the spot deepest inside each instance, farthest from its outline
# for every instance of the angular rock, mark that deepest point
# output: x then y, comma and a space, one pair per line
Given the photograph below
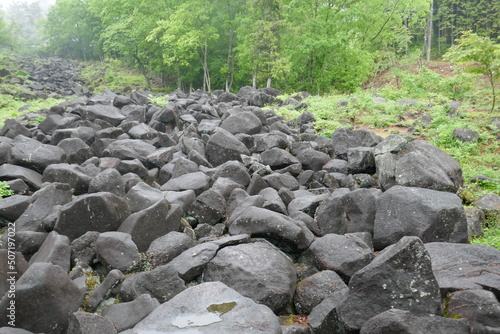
11, 172
129, 149
343, 254
314, 289
210, 308
127, 315
109, 180
223, 146
235, 171
429, 214
165, 248
161, 283
116, 250
344, 139
45, 299
288, 234
245, 267
399, 277
278, 181
55, 250
397, 321
465, 135
191, 263
142, 196
82, 322
13, 128
76, 150
114, 277
209, 207
462, 266
480, 308
348, 211
360, 160
242, 122
198, 182
277, 158
85, 133
11, 208
106, 113
74, 175
99, 212
312, 159
490, 204
151, 223
29, 153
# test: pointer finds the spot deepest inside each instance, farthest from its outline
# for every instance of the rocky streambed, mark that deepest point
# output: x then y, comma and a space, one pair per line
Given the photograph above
213, 215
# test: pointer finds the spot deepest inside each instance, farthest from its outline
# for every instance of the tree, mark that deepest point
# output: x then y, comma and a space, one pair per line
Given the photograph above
472, 47
23, 18
6, 38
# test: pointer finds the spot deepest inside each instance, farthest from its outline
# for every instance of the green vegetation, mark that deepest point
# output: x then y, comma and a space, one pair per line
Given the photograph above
5, 190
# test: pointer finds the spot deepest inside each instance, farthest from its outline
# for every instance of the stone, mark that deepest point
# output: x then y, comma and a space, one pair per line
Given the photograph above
82, 322
127, 315
76, 150
312, 159
223, 146
312, 290
278, 181
480, 308
182, 198
465, 135
246, 267
463, 266
99, 212
490, 204
12, 172
83, 248
277, 158
114, 277
13, 128
398, 321
42, 206
109, 180
344, 139
142, 196
210, 308
116, 250
347, 211
234, 171
165, 248
416, 164
360, 160
85, 133
161, 283
12, 207
106, 113
399, 277
324, 317
242, 122
55, 249
191, 263
74, 175
151, 223
288, 234
343, 254
198, 182
129, 149
336, 166
45, 299
209, 207
431, 215
12, 265
29, 153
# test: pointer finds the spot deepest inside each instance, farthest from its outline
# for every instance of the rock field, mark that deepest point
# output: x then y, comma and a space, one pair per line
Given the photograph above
213, 214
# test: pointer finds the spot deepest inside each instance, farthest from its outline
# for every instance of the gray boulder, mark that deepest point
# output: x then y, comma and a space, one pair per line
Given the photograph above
99, 212
127, 315
29, 153
116, 250
465, 135
480, 308
45, 299
11, 208
142, 196
82, 322
223, 146
416, 164
12, 172
191, 263
398, 321
245, 267
242, 122
55, 249
198, 182
210, 308
103, 112
76, 150
399, 277
462, 266
109, 180
429, 214
129, 149
165, 248
343, 254
74, 175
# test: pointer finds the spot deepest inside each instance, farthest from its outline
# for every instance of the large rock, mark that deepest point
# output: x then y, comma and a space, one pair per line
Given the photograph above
89, 323
116, 250
257, 270
127, 315
399, 277
106, 113
99, 212
347, 211
462, 266
34, 155
210, 308
288, 234
74, 175
165, 248
344, 254
397, 321
429, 214
344, 139
191, 263
416, 164
242, 122
223, 146
151, 223
12, 172
45, 299
55, 249
198, 182
129, 149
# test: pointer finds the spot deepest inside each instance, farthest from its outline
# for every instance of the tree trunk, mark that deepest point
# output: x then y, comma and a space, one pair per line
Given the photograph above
428, 33
269, 80
230, 57
254, 80
143, 70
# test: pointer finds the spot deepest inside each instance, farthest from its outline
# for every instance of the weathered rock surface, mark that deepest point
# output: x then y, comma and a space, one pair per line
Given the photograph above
210, 307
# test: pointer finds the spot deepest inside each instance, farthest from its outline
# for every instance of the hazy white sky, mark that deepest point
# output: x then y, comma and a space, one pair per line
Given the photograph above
5, 3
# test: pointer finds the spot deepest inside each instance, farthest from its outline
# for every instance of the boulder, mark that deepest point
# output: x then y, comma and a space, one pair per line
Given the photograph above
74, 175
165, 248
45, 299
116, 250
109, 180
129, 149
398, 321
12, 172
198, 182
127, 315
82, 322
242, 122
103, 112
55, 249
210, 308
256, 270
465, 135
462, 266
344, 254
223, 146
429, 214
399, 277
99, 212
76, 150
209, 207
12, 207
288, 234
191, 263
29, 153
480, 308
142, 196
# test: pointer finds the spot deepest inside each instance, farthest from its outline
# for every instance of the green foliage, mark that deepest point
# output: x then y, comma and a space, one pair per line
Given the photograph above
472, 47
491, 238
5, 190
